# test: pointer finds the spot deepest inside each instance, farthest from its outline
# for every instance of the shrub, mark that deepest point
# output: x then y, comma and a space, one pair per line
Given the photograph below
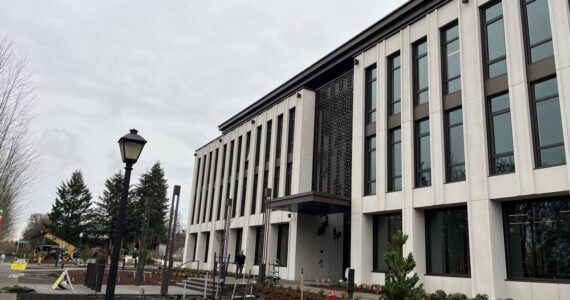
321, 294
101, 257
16, 289
438, 295
481, 297
398, 284
457, 296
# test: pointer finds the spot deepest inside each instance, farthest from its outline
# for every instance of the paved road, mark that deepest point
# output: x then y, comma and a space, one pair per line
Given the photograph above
5, 281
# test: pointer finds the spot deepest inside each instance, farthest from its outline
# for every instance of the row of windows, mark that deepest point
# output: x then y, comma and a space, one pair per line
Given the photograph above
537, 239
545, 108
204, 183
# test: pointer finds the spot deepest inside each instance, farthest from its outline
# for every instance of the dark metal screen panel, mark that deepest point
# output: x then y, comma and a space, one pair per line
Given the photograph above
332, 161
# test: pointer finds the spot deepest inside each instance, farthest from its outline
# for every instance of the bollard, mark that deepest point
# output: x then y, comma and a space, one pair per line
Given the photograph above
350, 283
88, 274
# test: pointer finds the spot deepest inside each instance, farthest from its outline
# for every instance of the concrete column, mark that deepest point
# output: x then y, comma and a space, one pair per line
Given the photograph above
303, 142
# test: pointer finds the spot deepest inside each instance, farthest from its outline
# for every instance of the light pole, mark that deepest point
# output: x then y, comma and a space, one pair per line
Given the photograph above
131, 147
80, 242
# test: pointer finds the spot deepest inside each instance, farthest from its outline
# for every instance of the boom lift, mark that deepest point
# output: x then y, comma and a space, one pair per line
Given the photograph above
43, 251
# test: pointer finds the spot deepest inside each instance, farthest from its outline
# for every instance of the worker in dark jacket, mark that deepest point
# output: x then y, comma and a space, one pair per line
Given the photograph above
240, 261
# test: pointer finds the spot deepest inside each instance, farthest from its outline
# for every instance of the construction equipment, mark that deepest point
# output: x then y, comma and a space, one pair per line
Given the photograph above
43, 251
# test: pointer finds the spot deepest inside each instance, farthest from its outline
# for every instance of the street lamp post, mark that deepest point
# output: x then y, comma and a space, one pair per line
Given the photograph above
131, 147
80, 242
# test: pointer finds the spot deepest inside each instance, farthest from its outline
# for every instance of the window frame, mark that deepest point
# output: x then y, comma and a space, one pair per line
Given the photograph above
537, 148
528, 47
369, 83
444, 57
390, 88
391, 160
485, 39
417, 138
415, 73
375, 268
491, 134
447, 136
279, 242
369, 149
428, 239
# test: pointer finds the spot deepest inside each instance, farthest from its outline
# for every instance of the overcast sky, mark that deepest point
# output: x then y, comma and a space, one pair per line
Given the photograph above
173, 69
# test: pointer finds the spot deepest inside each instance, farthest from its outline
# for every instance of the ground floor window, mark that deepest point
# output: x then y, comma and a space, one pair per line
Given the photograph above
385, 226
447, 237
537, 236
195, 239
207, 240
282, 243
258, 245
239, 233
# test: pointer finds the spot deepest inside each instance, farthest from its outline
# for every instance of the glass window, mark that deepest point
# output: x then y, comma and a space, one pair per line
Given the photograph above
258, 245
549, 140
423, 156
254, 192
282, 244
420, 72
218, 212
538, 34
385, 226
277, 170
238, 248
447, 241
228, 178
538, 238
455, 152
395, 160
197, 175
500, 135
450, 60
206, 188
211, 210
371, 92
207, 248
370, 168
394, 91
494, 40
236, 178
290, 140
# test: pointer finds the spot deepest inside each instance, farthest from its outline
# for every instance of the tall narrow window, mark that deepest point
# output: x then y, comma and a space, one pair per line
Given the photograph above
494, 50
395, 160
394, 82
258, 246
450, 60
211, 209
384, 228
455, 152
290, 140
277, 170
238, 248
268, 133
371, 88
547, 123
196, 191
204, 184
370, 166
228, 178
501, 152
220, 194
537, 234
256, 171
245, 171
207, 187
538, 33
207, 248
447, 244
236, 178
423, 154
420, 72
282, 244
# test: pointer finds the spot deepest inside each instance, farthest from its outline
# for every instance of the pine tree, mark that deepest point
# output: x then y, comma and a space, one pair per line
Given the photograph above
151, 193
71, 213
107, 211
400, 286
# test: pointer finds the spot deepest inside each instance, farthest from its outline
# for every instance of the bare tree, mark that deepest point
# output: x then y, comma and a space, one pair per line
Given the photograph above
16, 154
36, 228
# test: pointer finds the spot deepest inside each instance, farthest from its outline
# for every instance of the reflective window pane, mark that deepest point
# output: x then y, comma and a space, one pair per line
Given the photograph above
498, 68
546, 88
455, 152
549, 122
423, 127
538, 238
552, 156
451, 60
370, 168
502, 133
538, 30
496, 40
422, 154
385, 226
499, 103
504, 164
395, 160
425, 159
494, 11
423, 73
541, 51
423, 97
422, 48
448, 241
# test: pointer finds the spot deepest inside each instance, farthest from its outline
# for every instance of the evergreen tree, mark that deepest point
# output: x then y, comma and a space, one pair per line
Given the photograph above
151, 194
107, 211
400, 286
71, 213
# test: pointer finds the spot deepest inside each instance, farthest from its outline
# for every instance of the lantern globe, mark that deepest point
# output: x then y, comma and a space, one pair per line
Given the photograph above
131, 146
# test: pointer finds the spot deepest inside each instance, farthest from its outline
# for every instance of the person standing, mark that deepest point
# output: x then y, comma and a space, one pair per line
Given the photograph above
240, 261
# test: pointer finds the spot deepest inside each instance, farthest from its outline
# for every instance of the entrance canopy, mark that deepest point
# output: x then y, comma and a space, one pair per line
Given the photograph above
311, 203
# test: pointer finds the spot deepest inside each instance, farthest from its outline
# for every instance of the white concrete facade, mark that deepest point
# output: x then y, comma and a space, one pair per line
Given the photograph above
481, 192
